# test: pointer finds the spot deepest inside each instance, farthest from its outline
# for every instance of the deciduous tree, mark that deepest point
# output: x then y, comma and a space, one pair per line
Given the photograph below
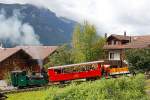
87, 44
61, 57
139, 59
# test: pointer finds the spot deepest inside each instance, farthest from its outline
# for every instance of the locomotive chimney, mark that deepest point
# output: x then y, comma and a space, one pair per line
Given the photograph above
130, 39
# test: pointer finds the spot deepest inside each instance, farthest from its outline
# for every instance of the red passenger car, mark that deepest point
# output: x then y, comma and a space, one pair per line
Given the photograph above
75, 71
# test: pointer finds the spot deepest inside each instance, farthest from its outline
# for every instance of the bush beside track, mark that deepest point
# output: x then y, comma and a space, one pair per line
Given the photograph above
124, 88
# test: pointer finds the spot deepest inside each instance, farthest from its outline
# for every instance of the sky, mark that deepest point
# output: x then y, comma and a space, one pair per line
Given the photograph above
109, 16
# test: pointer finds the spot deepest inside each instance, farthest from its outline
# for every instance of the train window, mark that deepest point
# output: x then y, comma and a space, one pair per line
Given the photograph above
80, 68
94, 66
91, 67
58, 71
67, 70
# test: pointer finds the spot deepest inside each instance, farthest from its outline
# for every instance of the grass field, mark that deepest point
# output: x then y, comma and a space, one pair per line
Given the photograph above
124, 88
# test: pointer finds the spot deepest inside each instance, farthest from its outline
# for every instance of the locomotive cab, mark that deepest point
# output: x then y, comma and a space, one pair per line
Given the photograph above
18, 78
21, 79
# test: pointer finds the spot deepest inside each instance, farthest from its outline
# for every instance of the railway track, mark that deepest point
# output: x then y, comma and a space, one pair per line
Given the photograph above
31, 89
35, 88
22, 90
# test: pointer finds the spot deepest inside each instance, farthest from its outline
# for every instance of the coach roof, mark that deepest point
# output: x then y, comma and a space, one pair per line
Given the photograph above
72, 65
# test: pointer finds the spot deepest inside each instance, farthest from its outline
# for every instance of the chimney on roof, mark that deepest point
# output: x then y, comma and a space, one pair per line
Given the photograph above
1, 45
130, 39
105, 35
125, 33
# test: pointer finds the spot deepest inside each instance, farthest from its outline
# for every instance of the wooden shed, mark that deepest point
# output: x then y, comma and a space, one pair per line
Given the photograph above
24, 58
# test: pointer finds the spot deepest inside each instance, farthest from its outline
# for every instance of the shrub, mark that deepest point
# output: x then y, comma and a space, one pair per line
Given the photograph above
114, 89
138, 59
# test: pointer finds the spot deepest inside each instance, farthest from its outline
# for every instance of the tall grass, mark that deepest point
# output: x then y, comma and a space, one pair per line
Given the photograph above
113, 89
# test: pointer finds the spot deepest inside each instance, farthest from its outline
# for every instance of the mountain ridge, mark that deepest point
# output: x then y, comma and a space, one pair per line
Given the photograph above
51, 29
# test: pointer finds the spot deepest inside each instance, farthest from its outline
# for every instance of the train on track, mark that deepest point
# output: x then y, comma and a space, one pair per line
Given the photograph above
89, 71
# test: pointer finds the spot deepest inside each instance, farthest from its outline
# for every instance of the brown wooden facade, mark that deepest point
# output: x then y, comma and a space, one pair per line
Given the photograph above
115, 63
18, 61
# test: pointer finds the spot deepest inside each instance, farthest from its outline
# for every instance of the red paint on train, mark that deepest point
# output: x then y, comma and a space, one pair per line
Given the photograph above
56, 77
58, 74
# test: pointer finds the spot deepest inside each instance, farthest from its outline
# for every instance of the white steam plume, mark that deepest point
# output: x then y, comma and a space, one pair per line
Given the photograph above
14, 31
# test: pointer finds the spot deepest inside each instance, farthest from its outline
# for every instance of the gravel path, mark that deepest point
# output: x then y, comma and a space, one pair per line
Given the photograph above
3, 85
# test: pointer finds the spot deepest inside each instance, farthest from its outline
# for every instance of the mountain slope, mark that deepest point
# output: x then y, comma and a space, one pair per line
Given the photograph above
51, 29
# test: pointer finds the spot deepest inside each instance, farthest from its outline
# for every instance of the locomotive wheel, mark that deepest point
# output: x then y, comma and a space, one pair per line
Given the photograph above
20, 87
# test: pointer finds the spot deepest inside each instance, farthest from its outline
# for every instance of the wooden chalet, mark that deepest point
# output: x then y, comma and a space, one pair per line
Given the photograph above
117, 44
24, 58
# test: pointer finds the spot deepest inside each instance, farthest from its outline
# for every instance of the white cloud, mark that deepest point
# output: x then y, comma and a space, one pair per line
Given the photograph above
111, 16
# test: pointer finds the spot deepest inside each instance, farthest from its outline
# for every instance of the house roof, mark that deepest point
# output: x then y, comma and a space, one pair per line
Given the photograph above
141, 39
119, 37
36, 52
136, 42
139, 42
7, 52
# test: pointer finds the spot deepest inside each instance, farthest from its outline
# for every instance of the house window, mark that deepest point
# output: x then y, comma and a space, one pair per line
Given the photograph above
114, 55
111, 55
115, 42
112, 42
